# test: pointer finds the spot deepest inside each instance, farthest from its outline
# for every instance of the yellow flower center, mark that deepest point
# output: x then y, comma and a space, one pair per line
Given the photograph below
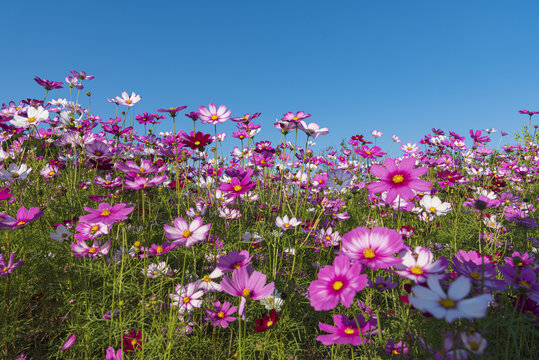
197, 143
220, 315
416, 270
269, 323
108, 182
22, 222
92, 250
5, 269
214, 117
286, 225
237, 187
207, 278
398, 178
172, 108
368, 253
368, 152
15, 175
186, 233
134, 342
94, 229
349, 331
136, 244
295, 118
337, 285
448, 303
105, 212
246, 293
236, 266
186, 299
129, 102
524, 283
31, 120
432, 209
159, 250
142, 169
474, 345
475, 275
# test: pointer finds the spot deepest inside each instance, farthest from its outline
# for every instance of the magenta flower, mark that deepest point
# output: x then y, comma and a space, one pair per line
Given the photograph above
107, 214
91, 231
220, 316
69, 342
299, 116
247, 286
373, 248
183, 233
232, 261
156, 250
187, 298
346, 330
528, 112
369, 153
212, 115
237, 187
24, 217
10, 266
48, 84
398, 180
113, 355
5, 194
339, 282
173, 110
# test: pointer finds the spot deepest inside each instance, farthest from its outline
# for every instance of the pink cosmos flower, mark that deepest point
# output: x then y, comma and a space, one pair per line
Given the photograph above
156, 250
187, 298
247, 286
232, 261
290, 117
107, 214
112, 355
339, 282
419, 264
69, 342
373, 248
346, 330
141, 183
183, 233
24, 217
399, 179
237, 187
369, 153
82, 249
10, 266
220, 316
90, 231
212, 115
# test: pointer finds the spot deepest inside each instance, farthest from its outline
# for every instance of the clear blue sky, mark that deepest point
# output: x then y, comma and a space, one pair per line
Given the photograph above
401, 67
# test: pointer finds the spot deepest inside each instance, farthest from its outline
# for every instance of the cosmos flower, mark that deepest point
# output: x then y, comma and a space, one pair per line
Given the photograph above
267, 321
48, 84
173, 110
82, 249
402, 179
420, 264
69, 342
128, 100
113, 355
247, 286
451, 306
212, 115
373, 248
24, 217
33, 118
220, 316
346, 330
337, 283
286, 223
10, 266
369, 153
107, 214
15, 172
188, 234
187, 298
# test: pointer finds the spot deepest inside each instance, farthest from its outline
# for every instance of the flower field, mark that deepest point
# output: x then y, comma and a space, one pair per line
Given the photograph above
120, 241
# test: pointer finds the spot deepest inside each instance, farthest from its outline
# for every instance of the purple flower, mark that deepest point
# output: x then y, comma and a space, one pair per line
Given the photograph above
220, 316
112, 355
10, 266
24, 217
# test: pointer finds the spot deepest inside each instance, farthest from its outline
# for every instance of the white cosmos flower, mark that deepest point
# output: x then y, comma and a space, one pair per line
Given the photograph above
450, 306
61, 234
15, 172
433, 204
33, 118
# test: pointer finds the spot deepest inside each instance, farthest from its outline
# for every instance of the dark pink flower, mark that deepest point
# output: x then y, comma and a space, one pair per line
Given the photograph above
107, 214
24, 217
346, 330
398, 180
338, 282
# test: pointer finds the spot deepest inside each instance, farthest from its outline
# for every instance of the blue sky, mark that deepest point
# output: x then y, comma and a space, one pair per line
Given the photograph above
401, 67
